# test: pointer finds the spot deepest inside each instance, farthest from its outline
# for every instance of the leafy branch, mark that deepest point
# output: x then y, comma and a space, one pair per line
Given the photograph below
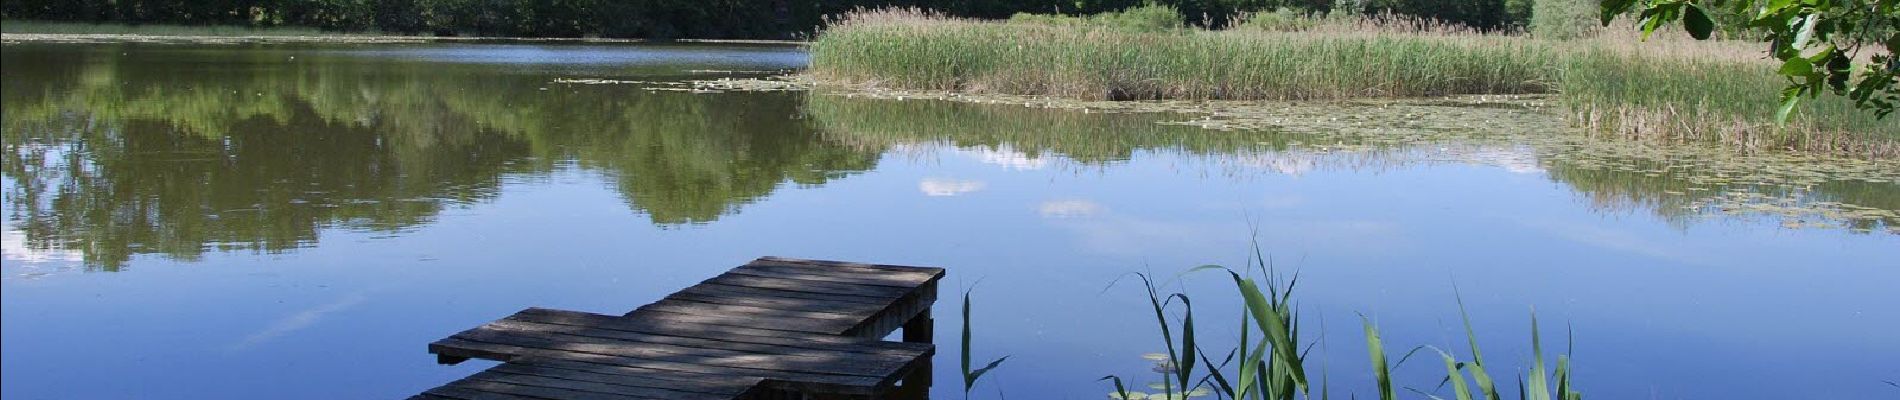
1817, 41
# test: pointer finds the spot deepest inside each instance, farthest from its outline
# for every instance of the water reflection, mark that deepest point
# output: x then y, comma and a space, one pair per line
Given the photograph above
1681, 184
132, 150
119, 150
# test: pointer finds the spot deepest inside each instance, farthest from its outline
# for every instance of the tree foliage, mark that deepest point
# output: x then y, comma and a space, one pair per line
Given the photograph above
676, 18
1819, 42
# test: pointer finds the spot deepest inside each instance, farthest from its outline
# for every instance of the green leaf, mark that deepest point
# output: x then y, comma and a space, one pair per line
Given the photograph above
1804, 31
1457, 379
1380, 369
1479, 376
1613, 8
1697, 23
1796, 68
1120, 389
1271, 321
1789, 98
1539, 384
968, 379
970, 376
978, 373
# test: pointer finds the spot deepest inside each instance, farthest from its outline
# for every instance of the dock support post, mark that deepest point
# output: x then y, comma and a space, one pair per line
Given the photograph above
920, 329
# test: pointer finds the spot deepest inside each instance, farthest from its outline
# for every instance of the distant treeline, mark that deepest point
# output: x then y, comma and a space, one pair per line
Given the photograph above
669, 18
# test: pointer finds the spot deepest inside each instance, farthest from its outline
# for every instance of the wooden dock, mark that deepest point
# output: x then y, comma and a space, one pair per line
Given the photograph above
775, 328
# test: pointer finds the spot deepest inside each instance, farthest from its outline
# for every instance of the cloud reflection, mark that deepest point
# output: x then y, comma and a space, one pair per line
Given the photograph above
937, 187
1069, 208
298, 321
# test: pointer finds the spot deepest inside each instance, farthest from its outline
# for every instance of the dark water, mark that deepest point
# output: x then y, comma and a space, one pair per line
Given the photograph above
298, 221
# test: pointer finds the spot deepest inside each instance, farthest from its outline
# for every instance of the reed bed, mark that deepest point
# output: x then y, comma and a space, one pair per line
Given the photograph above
1667, 89
917, 50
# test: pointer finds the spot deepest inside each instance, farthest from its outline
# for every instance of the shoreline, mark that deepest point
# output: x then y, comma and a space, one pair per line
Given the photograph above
12, 37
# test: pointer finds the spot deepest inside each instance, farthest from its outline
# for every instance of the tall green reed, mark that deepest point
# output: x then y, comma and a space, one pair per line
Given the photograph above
970, 376
1274, 367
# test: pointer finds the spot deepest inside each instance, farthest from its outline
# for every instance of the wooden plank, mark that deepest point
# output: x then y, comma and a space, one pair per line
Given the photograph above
915, 275
807, 286
680, 306
821, 275
790, 326
834, 363
541, 380
712, 382
887, 268
634, 337
706, 387
842, 384
461, 391
724, 333
857, 309
473, 383
728, 290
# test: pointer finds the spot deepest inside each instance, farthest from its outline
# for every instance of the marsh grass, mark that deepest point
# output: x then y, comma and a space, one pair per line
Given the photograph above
1665, 90
918, 50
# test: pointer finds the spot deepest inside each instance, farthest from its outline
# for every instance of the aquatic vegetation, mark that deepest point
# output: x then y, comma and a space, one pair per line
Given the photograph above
971, 375
912, 50
1274, 368
1666, 90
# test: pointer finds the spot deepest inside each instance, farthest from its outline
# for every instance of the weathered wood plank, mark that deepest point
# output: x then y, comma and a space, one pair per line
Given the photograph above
753, 311
846, 265
913, 276
542, 380
750, 348
717, 332
473, 383
808, 286
711, 382
818, 274
861, 310
807, 327
461, 391
711, 289
834, 363
842, 384
704, 387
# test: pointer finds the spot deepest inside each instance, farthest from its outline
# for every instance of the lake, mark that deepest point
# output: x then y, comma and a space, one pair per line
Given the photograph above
300, 220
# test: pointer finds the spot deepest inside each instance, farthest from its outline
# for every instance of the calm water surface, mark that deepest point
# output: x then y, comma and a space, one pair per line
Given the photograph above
298, 221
